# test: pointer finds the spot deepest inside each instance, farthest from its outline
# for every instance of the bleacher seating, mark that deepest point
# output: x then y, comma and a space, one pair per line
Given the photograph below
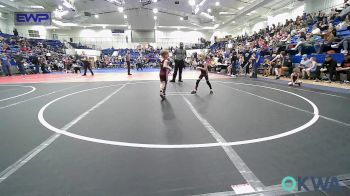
79, 46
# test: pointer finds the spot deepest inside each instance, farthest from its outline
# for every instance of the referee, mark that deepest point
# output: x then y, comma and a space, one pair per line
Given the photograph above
87, 64
180, 55
127, 60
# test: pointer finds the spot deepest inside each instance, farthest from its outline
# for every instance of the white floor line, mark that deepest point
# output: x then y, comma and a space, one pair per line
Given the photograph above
332, 95
26, 158
13, 104
243, 169
179, 94
311, 91
321, 116
32, 87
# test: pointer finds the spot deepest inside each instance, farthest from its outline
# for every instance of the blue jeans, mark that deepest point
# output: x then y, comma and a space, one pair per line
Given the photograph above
37, 69
21, 69
6, 70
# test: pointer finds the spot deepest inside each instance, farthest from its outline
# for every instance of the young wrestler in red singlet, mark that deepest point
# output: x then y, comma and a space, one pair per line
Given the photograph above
203, 67
164, 72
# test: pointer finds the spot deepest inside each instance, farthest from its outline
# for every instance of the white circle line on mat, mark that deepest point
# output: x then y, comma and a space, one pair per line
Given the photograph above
179, 146
8, 98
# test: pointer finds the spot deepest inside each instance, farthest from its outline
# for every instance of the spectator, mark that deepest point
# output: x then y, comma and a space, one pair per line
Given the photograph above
305, 63
288, 63
266, 66
344, 25
20, 61
329, 66
344, 69
279, 61
312, 69
344, 12
15, 32
5, 65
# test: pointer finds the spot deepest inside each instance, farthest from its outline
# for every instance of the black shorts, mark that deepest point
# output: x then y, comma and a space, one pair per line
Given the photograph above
295, 78
204, 76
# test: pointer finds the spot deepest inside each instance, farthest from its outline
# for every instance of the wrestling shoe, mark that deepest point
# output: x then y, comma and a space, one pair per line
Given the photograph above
335, 46
194, 92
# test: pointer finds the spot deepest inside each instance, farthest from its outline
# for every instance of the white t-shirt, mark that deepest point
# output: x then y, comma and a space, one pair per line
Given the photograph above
316, 31
306, 63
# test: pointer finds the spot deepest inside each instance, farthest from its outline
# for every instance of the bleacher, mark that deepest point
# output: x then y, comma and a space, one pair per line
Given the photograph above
135, 54
78, 46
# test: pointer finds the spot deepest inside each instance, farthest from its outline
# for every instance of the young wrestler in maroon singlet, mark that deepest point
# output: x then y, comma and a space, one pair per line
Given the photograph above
203, 67
164, 72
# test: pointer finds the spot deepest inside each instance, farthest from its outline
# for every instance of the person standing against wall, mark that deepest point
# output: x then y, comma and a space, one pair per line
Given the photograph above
180, 56
5, 64
87, 64
127, 60
20, 61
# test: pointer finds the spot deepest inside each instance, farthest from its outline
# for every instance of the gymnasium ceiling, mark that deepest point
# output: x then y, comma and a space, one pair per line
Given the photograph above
228, 15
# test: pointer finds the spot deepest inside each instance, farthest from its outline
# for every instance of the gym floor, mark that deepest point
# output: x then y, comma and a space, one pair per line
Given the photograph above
96, 137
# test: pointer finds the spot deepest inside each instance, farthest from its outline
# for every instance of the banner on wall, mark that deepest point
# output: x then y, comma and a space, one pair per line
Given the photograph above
32, 18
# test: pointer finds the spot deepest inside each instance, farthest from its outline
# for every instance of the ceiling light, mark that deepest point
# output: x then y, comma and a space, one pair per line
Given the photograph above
67, 4
181, 18
202, 3
57, 22
217, 3
36, 7
154, 1
155, 17
96, 16
254, 11
195, 29
155, 10
209, 10
249, 14
2, 6
192, 2
240, 8
120, 9
196, 10
207, 15
125, 16
104, 26
233, 22
60, 13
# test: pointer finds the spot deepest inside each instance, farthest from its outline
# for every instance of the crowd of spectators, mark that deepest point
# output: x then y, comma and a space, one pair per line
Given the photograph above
272, 49
140, 57
34, 56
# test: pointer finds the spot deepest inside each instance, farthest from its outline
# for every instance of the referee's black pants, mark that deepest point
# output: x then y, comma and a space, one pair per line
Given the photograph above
179, 65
